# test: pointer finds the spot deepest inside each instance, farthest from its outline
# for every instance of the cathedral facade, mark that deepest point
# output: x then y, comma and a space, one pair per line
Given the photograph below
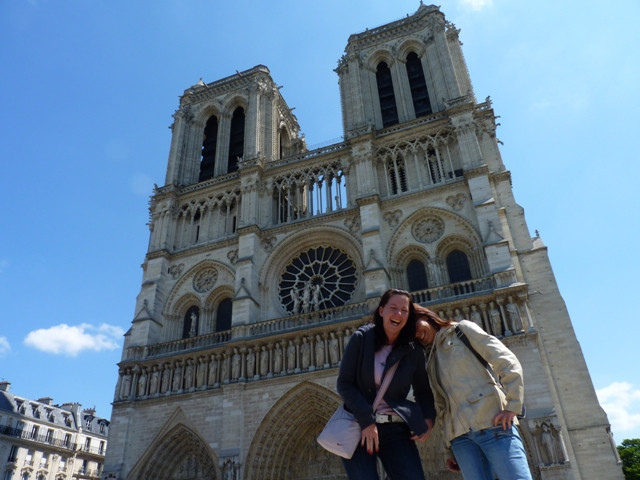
265, 255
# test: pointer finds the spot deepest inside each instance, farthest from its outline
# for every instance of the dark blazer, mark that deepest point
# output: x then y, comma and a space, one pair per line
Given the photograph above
356, 384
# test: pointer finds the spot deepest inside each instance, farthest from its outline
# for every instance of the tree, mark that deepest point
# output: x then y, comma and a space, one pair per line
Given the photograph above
629, 451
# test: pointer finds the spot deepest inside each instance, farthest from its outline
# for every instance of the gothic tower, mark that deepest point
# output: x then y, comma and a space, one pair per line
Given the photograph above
264, 256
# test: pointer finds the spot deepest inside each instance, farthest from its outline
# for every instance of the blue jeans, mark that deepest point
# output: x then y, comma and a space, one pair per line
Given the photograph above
398, 454
482, 454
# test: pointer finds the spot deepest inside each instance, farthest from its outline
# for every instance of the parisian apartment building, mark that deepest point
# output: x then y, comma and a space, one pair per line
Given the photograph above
43, 441
264, 256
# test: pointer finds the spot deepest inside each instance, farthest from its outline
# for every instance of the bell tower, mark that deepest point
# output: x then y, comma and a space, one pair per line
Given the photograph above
264, 256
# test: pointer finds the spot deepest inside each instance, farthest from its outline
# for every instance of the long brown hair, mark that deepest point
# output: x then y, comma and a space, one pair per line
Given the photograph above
423, 313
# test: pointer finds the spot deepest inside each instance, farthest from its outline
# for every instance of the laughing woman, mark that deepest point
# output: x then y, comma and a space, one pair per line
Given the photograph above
391, 431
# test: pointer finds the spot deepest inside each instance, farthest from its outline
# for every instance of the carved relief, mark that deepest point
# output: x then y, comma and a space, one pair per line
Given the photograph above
456, 201
428, 230
205, 280
176, 270
393, 218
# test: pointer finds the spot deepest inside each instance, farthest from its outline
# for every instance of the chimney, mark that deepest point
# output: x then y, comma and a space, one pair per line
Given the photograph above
46, 400
4, 386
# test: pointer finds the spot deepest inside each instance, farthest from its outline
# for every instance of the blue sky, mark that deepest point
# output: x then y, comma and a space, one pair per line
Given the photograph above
88, 88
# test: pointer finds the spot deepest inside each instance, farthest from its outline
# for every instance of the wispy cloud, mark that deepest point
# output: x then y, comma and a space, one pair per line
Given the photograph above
71, 340
476, 4
621, 401
4, 346
141, 184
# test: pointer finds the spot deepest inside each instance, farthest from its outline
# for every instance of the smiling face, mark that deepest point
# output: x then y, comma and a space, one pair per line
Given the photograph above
395, 314
425, 332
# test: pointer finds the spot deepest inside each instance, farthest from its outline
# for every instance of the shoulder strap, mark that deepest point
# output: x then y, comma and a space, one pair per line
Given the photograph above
385, 383
463, 338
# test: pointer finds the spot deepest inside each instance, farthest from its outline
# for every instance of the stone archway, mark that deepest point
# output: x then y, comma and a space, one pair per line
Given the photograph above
285, 446
179, 454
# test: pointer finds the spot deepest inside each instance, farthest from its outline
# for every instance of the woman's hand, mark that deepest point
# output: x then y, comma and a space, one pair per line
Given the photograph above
425, 436
452, 465
369, 438
504, 418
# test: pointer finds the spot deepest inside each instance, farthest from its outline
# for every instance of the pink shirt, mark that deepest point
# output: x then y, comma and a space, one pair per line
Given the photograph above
380, 360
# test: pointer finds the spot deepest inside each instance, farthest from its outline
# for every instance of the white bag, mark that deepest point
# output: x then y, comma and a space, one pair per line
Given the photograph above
341, 434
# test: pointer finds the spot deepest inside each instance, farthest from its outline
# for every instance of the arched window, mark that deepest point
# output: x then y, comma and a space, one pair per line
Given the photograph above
223, 316
419, 93
417, 276
191, 322
458, 267
209, 143
236, 139
388, 108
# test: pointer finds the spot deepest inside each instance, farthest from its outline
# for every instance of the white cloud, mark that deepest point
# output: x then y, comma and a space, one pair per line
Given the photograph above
4, 345
621, 401
476, 4
71, 340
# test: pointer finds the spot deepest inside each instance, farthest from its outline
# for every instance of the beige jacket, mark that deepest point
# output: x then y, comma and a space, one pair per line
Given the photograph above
467, 396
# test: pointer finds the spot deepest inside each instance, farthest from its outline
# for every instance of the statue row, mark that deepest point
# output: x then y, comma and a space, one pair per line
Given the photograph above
497, 318
241, 363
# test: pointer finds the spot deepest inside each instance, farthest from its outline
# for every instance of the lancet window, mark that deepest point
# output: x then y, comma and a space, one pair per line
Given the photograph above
305, 194
417, 276
236, 139
223, 315
419, 92
458, 267
209, 219
209, 144
396, 175
386, 95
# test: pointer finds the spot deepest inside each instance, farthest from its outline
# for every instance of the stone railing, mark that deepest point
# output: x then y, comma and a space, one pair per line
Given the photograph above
269, 327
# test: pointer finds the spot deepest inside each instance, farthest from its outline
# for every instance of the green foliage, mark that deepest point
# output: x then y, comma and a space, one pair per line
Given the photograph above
629, 451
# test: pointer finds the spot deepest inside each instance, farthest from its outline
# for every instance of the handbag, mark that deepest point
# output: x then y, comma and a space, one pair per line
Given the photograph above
342, 432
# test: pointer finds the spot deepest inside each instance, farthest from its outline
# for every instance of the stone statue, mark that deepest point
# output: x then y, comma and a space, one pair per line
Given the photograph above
291, 356
235, 365
142, 384
277, 359
251, 363
475, 317
166, 373
264, 361
496, 320
305, 353
319, 351
177, 378
155, 377
213, 371
334, 354
515, 322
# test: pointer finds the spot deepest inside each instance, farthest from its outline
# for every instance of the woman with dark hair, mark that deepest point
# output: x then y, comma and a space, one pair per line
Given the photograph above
476, 412
391, 431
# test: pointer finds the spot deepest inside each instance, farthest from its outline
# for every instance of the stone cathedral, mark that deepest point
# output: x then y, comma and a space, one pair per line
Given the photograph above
264, 256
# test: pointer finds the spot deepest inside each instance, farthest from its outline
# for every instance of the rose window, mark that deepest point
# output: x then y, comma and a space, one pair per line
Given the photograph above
322, 277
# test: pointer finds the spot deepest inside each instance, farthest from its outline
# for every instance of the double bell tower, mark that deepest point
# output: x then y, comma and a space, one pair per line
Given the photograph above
264, 256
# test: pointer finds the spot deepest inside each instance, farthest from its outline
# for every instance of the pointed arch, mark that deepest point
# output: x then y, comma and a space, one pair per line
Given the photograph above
178, 449
295, 420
